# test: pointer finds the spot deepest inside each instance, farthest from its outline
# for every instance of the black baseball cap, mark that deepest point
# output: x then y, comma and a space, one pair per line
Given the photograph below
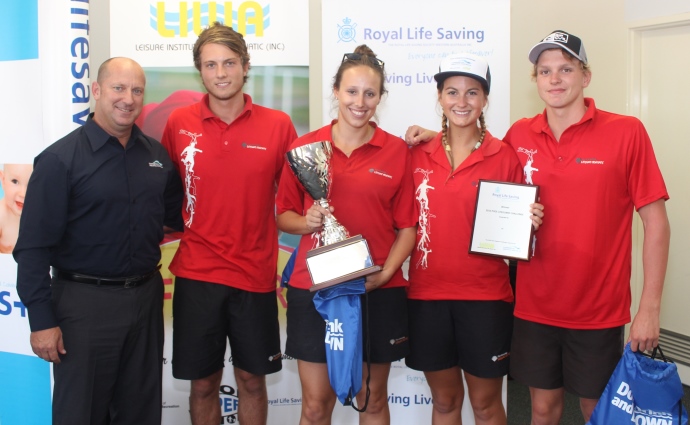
559, 40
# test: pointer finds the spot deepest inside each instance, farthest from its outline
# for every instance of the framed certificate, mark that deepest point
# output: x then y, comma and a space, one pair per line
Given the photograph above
502, 225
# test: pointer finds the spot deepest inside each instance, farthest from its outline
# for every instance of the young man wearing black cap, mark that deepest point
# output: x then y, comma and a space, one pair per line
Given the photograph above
573, 298
593, 167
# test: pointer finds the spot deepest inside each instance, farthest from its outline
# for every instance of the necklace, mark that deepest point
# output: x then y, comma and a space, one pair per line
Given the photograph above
449, 152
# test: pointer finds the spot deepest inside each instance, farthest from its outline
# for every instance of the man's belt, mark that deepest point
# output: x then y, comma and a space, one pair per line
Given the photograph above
126, 282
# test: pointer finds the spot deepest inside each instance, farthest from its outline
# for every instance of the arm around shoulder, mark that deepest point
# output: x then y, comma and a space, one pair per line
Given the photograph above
416, 134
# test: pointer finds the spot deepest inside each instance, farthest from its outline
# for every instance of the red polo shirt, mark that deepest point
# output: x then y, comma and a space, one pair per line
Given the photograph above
590, 181
441, 267
230, 173
371, 192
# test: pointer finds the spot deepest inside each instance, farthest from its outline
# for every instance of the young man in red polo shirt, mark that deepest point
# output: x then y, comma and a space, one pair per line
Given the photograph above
594, 168
229, 153
573, 298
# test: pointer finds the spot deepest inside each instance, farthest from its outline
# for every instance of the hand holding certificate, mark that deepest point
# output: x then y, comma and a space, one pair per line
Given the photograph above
502, 220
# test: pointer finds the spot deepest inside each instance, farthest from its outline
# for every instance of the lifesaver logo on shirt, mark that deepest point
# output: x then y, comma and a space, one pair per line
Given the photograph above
424, 220
528, 169
246, 145
380, 173
589, 161
190, 179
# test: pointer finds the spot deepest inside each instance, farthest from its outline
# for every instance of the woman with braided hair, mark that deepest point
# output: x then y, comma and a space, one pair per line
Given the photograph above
460, 304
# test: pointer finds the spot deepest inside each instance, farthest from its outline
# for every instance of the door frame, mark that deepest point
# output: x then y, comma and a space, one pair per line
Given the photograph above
636, 30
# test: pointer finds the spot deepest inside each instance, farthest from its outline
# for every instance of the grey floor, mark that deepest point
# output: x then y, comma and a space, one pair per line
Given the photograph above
519, 406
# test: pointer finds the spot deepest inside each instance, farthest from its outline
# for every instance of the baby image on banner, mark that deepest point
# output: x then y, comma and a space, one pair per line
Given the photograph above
13, 181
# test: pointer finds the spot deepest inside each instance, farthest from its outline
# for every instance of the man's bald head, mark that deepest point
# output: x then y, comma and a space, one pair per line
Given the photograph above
106, 67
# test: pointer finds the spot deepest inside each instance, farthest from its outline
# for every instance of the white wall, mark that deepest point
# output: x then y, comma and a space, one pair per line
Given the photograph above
599, 24
645, 9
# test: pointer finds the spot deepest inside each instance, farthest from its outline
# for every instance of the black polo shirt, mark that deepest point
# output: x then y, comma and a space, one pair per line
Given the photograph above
96, 208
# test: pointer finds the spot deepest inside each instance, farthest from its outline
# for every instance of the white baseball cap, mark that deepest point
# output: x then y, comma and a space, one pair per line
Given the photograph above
466, 65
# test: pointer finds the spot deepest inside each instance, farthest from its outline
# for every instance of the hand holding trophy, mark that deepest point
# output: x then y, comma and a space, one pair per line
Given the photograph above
338, 258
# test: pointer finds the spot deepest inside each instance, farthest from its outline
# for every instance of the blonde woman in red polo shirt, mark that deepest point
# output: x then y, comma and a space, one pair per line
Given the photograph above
373, 193
460, 304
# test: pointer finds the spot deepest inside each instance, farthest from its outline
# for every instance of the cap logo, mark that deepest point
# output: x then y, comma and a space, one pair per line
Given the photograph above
461, 64
558, 37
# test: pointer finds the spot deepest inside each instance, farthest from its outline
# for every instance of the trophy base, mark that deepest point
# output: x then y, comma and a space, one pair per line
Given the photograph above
343, 279
340, 262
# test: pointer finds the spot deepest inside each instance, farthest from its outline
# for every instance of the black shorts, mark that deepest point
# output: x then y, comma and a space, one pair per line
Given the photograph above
579, 360
386, 327
474, 335
206, 315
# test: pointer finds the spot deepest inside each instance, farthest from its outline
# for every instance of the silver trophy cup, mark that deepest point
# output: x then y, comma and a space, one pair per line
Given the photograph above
338, 257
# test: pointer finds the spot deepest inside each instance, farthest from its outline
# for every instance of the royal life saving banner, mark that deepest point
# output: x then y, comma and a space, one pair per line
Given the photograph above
411, 37
44, 64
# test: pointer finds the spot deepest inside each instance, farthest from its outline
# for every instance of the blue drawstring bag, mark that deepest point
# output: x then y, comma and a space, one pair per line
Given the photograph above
642, 390
340, 306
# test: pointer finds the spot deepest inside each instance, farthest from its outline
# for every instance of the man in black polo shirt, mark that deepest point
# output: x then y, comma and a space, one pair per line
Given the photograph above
95, 209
